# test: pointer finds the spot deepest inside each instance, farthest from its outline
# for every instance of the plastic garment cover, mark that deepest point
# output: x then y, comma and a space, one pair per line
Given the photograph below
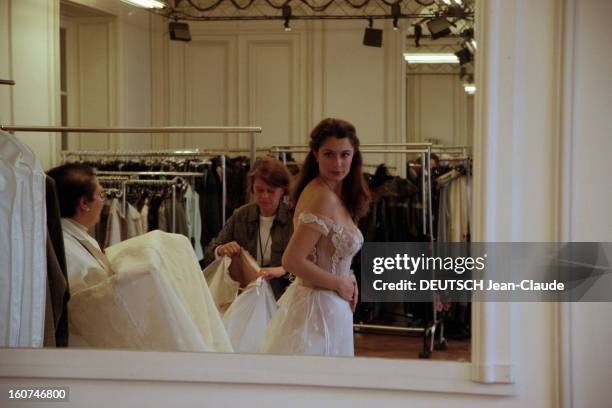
247, 318
222, 287
156, 300
23, 235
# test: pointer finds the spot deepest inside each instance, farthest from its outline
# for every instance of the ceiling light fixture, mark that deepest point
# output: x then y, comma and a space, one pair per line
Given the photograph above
372, 37
151, 4
287, 16
464, 55
439, 27
396, 12
418, 32
422, 58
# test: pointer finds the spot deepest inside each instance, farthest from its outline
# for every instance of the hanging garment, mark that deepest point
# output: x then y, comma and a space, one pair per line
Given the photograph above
156, 300
57, 278
121, 224
23, 237
223, 288
444, 215
194, 221
113, 225
458, 210
165, 216
248, 316
213, 201
132, 224
313, 321
98, 231
144, 216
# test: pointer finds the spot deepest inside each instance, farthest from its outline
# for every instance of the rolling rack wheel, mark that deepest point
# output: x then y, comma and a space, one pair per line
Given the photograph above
428, 339
442, 344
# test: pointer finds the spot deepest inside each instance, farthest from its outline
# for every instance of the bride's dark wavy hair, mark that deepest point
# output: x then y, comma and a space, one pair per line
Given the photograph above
355, 192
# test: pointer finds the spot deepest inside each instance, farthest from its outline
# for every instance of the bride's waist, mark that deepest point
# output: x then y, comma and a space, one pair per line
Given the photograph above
308, 284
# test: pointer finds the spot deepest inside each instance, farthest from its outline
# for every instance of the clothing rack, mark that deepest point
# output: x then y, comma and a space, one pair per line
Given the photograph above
195, 153
127, 180
423, 148
173, 183
122, 180
251, 130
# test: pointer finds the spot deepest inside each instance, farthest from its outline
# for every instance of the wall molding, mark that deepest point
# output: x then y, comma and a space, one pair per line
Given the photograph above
217, 368
563, 313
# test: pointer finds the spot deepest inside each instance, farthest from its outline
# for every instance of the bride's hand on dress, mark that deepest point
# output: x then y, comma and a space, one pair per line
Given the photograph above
346, 288
355, 294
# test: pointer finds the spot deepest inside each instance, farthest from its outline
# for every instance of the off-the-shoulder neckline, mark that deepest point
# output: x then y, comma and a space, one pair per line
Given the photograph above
331, 220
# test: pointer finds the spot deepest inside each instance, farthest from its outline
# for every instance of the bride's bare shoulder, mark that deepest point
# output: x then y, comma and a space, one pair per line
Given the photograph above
318, 199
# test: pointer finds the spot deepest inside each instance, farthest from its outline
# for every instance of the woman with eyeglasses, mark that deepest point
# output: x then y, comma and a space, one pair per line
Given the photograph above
81, 199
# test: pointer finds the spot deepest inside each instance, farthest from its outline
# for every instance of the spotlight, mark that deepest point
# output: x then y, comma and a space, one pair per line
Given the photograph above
438, 27
372, 36
464, 56
287, 16
179, 32
467, 33
396, 12
418, 32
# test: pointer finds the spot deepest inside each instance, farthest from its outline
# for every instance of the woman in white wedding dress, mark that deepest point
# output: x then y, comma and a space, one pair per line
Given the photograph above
315, 315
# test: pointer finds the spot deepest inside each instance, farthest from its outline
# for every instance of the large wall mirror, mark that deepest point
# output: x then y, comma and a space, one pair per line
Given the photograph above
119, 67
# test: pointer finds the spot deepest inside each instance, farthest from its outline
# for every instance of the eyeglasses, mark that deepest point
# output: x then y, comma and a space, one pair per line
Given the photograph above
101, 195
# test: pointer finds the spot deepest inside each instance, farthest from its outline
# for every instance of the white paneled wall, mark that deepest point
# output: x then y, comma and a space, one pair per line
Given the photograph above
29, 55
95, 82
438, 109
255, 74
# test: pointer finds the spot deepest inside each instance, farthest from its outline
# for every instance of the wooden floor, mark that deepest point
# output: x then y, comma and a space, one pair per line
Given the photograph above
404, 346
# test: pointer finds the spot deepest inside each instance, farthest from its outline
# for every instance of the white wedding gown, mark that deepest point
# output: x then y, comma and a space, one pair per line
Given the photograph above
312, 321
157, 299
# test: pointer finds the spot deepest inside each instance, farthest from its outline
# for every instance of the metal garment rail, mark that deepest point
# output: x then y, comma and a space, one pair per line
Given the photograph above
117, 179
251, 130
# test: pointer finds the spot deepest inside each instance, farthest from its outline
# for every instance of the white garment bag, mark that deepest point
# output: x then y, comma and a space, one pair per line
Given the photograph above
248, 316
222, 287
23, 236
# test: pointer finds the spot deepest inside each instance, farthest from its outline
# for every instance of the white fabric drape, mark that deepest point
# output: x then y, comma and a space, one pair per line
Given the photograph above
158, 299
23, 235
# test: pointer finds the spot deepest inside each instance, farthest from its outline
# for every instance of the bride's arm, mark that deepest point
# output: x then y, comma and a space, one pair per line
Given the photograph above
305, 237
295, 261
